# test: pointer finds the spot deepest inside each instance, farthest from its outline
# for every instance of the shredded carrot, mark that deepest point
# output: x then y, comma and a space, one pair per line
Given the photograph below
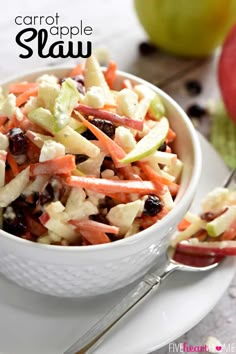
159, 181
201, 235
109, 106
22, 87
148, 221
94, 226
229, 234
12, 163
8, 175
116, 152
110, 73
127, 84
183, 225
119, 197
3, 120
152, 176
59, 165
12, 123
103, 185
128, 172
95, 238
77, 70
23, 97
170, 136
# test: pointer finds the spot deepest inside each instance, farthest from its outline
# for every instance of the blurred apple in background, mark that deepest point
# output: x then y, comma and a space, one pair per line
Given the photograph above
227, 73
186, 27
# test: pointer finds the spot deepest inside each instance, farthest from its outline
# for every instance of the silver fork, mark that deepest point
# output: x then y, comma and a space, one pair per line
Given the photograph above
89, 341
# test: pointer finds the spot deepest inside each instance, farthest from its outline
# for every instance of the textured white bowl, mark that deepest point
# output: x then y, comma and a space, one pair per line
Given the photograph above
92, 270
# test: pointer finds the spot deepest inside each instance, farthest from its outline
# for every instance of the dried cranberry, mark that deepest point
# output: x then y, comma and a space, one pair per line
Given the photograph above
153, 205
80, 158
105, 125
89, 135
209, 216
107, 164
162, 147
193, 87
17, 141
196, 111
100, 218
14, 221
29, 200
147, 48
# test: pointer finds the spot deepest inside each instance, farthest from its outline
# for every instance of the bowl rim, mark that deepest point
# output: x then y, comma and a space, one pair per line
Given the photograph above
183, 203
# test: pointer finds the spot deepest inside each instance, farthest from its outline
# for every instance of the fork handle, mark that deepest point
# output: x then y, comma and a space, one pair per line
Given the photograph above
94, 336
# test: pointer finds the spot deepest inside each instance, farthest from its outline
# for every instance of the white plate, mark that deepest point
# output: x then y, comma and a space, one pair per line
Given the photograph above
31, 323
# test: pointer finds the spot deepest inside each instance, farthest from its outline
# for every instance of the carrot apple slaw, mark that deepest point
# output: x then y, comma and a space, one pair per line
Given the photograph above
82, 163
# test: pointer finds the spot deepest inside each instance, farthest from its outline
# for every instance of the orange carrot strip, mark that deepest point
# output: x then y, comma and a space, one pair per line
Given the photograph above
148, 221
116, 152
94, 226
23, 97
183, 225
173, 188
103, 185
22, 87
59, 165
3, 120
109, 106
77, 70
201, 235
153, 176
229, 234
110, 73
11, 161
128, 172
170, 136
120, 197
159, 181
95, 238
8, 176
3, 130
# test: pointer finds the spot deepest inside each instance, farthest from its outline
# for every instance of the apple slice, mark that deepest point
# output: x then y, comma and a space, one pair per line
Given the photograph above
149, 143
221, 248
221, 223
227, 73
195, 260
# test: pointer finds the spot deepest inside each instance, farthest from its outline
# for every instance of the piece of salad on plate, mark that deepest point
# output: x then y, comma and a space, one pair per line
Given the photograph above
213, 232
81, 162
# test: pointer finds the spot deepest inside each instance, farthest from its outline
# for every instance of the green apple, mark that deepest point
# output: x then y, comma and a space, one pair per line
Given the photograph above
76, 143
186, 27
149, 143
219, 225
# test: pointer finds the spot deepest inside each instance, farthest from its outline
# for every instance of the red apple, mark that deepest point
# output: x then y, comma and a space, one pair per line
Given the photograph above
221, 248
227, 73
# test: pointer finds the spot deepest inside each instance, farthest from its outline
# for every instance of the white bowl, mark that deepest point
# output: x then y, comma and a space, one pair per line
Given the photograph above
92, 270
